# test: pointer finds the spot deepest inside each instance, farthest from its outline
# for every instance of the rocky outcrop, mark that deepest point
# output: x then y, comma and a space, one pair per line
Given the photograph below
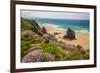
27, 24
70, 34
36, 28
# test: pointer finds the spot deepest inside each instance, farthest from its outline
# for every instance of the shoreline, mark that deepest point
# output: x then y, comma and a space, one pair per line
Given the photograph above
58, 28
81, 38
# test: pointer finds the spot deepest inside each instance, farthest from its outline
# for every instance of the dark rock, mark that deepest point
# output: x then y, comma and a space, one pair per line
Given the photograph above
36, 28
27, 24
70, 34
56, 33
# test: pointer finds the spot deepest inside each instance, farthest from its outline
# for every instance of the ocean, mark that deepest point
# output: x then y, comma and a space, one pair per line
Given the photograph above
76, 25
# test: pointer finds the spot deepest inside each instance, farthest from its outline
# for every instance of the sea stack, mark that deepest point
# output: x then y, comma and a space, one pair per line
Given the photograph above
70, 34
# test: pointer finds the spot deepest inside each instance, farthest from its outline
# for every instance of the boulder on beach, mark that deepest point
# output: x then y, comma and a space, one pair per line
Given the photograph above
70, 34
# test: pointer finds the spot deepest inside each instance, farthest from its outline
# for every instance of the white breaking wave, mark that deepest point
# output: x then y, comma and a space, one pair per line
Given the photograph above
57, 27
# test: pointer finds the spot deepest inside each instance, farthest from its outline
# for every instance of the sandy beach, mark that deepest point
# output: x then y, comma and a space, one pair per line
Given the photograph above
81, 38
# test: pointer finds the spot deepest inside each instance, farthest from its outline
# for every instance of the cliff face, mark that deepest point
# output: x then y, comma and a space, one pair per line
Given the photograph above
27, 24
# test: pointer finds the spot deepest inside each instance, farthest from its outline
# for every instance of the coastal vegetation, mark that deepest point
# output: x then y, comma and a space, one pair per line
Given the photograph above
35, 49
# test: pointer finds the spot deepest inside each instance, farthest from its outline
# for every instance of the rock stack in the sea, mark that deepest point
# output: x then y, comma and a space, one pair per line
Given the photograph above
70, 34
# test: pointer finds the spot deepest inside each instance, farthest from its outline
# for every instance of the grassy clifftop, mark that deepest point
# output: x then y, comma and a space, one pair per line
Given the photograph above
27, 24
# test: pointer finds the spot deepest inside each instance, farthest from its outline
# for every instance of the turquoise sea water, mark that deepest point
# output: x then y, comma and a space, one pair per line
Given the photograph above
76, 25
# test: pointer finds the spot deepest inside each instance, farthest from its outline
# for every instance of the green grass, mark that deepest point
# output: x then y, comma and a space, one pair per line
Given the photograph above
25, 46
27, 24
74, 55
60, 52
28, 42
87, 54
54, 50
